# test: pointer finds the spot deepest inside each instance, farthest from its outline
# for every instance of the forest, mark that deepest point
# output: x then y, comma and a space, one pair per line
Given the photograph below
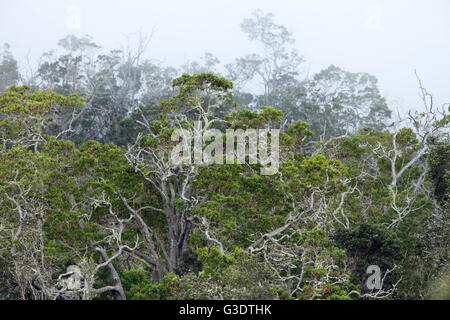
91, 207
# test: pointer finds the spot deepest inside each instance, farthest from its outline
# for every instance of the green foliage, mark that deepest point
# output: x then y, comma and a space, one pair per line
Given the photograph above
307, 232
440, 171
240, 202
138, 286
236, 276
9, 73
26, 113
369, 244
213, 261
246, 119
189, 86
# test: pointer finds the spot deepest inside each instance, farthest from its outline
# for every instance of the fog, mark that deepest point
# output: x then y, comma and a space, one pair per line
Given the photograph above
389, 39
224, 150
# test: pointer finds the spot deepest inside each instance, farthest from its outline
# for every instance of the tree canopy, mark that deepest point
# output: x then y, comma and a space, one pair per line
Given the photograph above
88, 191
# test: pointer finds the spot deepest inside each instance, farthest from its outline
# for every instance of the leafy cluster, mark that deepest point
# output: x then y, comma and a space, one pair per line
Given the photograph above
88, 192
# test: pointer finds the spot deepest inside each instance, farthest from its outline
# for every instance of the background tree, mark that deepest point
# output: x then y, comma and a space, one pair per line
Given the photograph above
277, 65
9, 72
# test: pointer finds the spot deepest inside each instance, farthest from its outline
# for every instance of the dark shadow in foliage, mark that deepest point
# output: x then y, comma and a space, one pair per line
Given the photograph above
189, 263
440, 171
370, 245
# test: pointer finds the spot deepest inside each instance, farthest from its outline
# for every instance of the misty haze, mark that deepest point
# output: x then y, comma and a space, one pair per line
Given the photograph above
347, 102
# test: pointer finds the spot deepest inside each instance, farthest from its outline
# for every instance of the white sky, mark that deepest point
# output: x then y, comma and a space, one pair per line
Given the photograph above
386, 38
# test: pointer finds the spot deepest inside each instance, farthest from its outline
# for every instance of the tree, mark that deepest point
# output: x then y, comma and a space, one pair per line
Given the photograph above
114, 84
172, 197
9, 72
133, 223
279, 63
335, 102
47, 216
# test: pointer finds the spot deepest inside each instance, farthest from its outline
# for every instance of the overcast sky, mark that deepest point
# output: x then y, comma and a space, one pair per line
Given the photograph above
386, 38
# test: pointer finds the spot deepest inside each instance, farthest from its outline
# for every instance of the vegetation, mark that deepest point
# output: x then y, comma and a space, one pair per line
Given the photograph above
87, 191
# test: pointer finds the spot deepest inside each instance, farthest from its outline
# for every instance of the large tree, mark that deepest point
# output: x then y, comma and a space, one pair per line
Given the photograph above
9, 72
